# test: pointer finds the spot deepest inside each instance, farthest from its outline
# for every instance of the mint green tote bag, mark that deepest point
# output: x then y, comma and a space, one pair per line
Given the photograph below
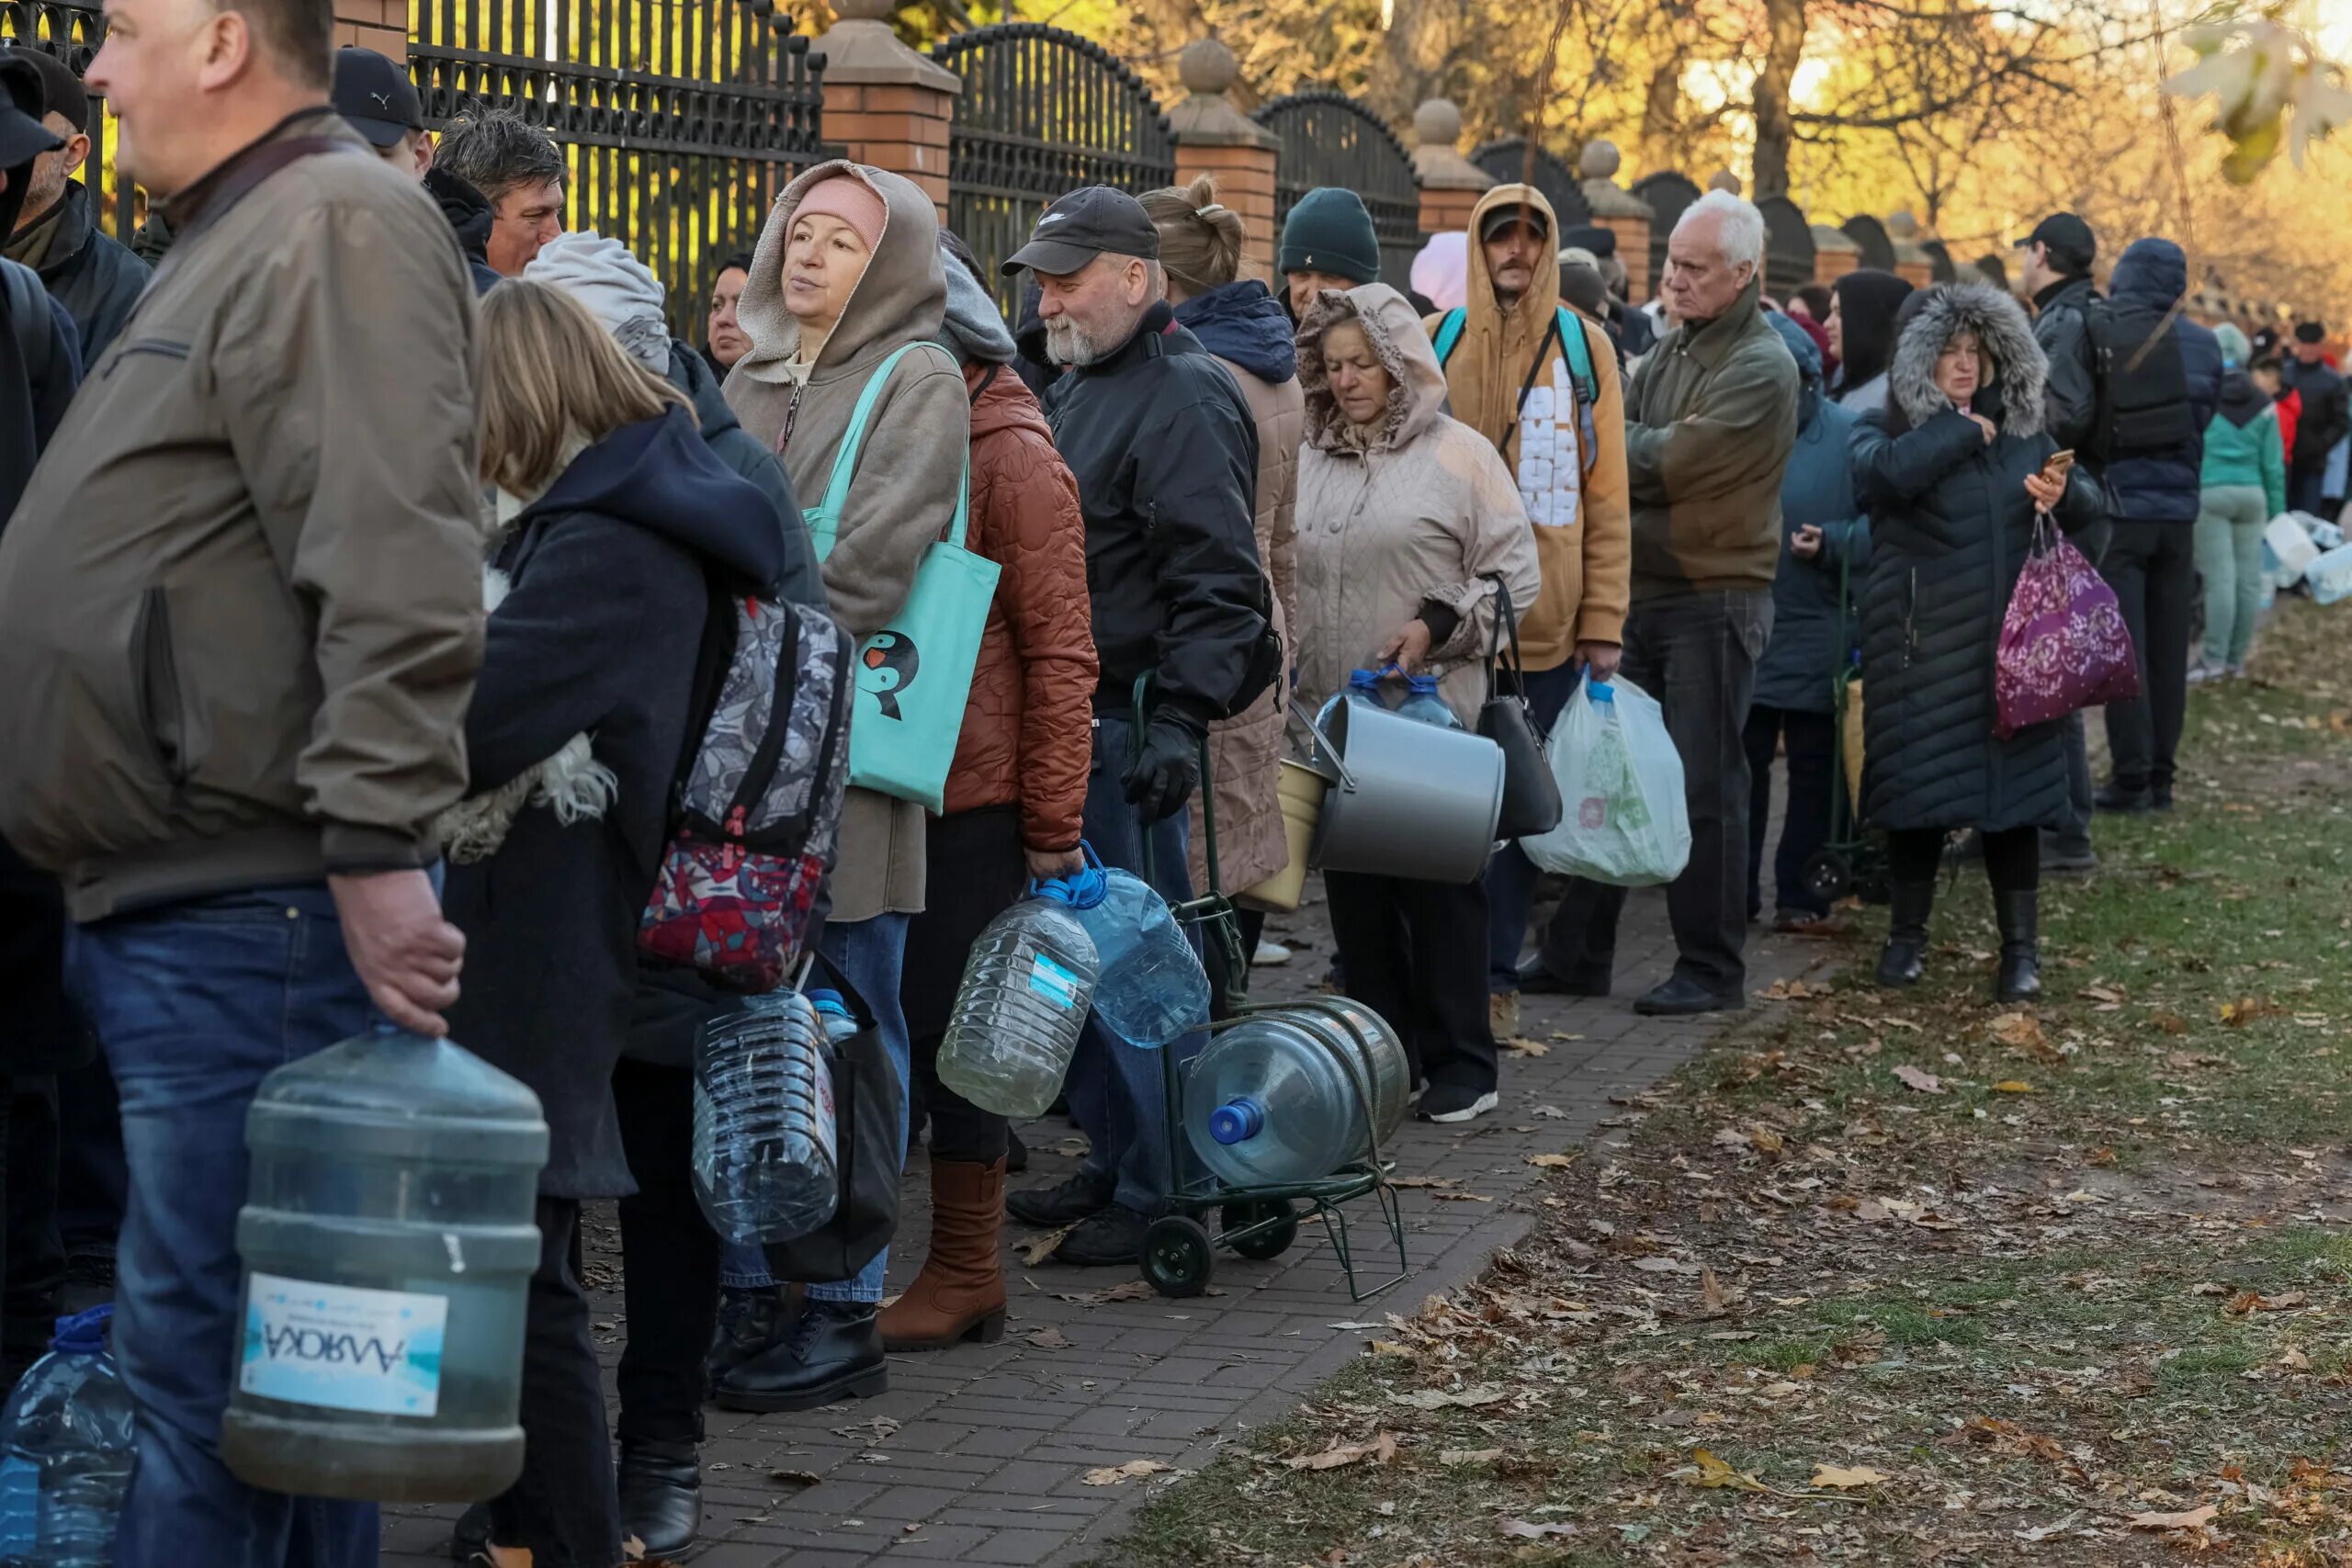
915, 674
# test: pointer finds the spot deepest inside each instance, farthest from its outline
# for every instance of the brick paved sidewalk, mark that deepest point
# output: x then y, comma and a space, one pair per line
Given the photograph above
975, 1456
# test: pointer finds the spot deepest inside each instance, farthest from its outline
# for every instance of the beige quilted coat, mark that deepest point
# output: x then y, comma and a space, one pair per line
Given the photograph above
1246, 751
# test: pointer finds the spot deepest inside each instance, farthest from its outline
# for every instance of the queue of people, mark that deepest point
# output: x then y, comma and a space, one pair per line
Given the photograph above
343, 701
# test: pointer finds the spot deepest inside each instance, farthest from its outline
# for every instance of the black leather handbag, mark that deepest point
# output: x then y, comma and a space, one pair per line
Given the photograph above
1531, 795
867, 1104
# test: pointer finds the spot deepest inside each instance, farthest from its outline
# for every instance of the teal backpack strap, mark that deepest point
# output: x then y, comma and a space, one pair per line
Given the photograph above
1579, 352
1449, 333
825, 517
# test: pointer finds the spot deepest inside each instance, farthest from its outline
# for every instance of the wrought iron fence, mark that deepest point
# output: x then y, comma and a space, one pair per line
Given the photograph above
1507, 161
1330, 139
74, 33
1043, 112
1878, 249
681, 120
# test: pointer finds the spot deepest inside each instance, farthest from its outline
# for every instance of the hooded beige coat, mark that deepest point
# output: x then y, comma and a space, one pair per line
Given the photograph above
1420, 509
909, 471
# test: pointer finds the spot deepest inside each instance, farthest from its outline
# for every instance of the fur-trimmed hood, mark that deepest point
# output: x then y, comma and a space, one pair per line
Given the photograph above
2019, 368
1417, 397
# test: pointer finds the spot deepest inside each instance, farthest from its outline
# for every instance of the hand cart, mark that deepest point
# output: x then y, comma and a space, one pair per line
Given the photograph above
1853, 860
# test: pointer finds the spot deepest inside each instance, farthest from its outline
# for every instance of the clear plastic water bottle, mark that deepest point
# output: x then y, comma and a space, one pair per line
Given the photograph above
1026, 988
1422, 703
833, 1014
1284, 1095
1362, 687
763, 1156
1149, 988
67, 1445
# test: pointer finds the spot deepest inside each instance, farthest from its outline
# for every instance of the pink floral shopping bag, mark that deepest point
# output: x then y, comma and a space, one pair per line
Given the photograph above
2063, 644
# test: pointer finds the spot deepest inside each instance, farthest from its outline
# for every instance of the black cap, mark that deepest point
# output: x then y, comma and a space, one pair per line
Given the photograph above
62, 91
23, 137
376, 97
1507, 214
2310, 331
1089, 222
2067, 235
1601, 241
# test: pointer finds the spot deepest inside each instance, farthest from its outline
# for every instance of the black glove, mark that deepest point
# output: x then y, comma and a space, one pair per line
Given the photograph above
1167, 770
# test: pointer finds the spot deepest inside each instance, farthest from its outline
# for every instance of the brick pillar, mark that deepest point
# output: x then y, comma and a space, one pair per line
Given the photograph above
1912, 264
1213, 138
1620, 212
379, 25
1451, 183
885, 104
1833, 252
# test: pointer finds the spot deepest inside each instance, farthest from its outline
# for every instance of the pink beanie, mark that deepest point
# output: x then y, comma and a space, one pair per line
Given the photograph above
849, 198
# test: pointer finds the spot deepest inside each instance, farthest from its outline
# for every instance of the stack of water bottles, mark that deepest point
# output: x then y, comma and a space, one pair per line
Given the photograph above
67, 1445
766, 1163
1101, 940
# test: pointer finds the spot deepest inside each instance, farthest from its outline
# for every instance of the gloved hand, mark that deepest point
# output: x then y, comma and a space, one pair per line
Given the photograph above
1167, 770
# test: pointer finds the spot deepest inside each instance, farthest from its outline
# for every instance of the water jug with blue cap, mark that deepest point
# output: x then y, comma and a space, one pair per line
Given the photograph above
1150, 987
765, 1166
1291, 1094
389, 1243
68, 1443
1422, 703
1031, 977
1363, 689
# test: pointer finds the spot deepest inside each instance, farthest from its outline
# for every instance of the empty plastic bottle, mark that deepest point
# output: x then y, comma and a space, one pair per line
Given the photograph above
1292, 1094
1422, 703
388, 1242
1149, 988
833, 1013
1363, 687
1026, 988
763, 1156
67, 1445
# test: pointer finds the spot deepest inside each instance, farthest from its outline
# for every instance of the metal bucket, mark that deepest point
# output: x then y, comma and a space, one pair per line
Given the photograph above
1408, 799
1301, 792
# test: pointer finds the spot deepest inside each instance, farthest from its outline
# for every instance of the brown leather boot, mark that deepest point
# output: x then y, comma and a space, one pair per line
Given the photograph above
959, 1293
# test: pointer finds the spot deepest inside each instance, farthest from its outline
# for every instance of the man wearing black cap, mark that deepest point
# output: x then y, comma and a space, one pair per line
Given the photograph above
1166, 458
2055, 274
376, 97
95, 278
2326, 420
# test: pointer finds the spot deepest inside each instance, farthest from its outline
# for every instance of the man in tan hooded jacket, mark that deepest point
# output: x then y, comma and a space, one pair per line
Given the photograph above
1510, 376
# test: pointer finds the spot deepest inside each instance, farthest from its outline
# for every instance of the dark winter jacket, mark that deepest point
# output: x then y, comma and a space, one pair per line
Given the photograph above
1950, 527
2326, 417
733, 445
470, 217
598, 634
2059, 326
1166, 458
2152, 276
94, 278
1810, 636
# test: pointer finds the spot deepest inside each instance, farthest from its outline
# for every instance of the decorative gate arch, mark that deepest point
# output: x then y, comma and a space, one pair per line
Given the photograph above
1788, 246
1507, 161
1043, 112
1330, 139
1877, 246
1667, 194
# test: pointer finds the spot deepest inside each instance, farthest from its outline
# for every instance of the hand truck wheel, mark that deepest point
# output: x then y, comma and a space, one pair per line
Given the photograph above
1272, 1242
1178, 1257
1828, 875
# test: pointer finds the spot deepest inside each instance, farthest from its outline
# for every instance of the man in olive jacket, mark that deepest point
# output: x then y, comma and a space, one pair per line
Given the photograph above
1709, 425
240, 617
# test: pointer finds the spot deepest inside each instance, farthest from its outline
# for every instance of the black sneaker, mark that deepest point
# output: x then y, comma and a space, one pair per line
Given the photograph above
1681, 998
2118, 801
1064, 1204
832, 1351
1535, 980
1112, 1235
1456, 1103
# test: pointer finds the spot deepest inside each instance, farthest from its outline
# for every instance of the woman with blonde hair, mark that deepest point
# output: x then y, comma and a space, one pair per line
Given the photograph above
614, 520
1245, 328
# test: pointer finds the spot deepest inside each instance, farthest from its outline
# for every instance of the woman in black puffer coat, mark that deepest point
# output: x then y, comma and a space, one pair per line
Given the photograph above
1950, 473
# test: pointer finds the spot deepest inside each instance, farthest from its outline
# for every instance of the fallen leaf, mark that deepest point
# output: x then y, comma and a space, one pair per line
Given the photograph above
2019, 1030
1552, 1162
1469, 1456
1713, 1473
1521, 1529
1926, 1083
1131, 1291
2249, 1301
802, 1479
1787, 991
1764, 1140
875, 1430
1714, 1297
1666, 1266
1120, 1474
2169, 1021
1518, 1047
1038, 1248
1382, 1449
2187, 1521
1048, 1338
2013, 1086
1839, 1476
1440, 1399
1461, 1197
2247, 1009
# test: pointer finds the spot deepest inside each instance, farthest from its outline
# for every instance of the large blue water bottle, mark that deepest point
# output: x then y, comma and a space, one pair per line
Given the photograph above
1423, 704
67, 1445
764, 1165
1291, 1094
1149, 988
389, 1245
1024, 999
1362, 688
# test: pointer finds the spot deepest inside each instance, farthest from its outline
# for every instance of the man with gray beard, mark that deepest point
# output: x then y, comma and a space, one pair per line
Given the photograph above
1166, 458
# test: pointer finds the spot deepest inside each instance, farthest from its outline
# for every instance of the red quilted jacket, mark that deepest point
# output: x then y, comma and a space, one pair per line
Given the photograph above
1028, 729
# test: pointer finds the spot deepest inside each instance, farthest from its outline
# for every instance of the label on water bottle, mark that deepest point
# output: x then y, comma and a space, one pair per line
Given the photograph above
341, 1347
1053, 982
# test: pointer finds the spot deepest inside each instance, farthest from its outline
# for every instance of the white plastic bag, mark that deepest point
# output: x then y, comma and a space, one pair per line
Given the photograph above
1625, 821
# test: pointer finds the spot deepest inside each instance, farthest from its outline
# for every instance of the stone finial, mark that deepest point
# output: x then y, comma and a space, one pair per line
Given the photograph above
1902, 225
1599, 160
1829, 237
1206, 65
1599, 163
1724, 180
1437, 123
863, 10
861, 51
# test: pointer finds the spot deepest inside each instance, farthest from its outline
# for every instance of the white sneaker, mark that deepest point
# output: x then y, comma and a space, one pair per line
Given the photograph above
1270, 955
1444, 1102
2204, 670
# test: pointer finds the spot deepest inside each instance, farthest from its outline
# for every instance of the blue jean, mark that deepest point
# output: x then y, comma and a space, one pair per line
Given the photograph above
1117, 1094
196, 1002
1510, 875
868, 954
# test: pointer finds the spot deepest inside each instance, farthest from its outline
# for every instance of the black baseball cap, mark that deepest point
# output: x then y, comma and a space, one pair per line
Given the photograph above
1089, 222
61, 90
2067, 235
1601, 241
1504, 214
22, 135
2310, 331
376, 97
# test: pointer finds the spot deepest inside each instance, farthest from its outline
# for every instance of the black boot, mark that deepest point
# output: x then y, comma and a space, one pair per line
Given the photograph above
749, 1321
661, 1487
831, 1352
1906, 954
2019, 915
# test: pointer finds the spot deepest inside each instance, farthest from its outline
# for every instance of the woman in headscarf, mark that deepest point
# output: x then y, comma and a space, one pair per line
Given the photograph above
1241, 323
1861, 330
1951, 472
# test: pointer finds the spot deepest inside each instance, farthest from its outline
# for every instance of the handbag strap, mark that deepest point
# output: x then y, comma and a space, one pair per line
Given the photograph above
825, 517
1506, 622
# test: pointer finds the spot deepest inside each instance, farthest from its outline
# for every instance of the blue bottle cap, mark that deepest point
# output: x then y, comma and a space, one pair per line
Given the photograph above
83, 1333
1367, 679
826, 1000
1237, 1119
1601, 692
1083, 891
